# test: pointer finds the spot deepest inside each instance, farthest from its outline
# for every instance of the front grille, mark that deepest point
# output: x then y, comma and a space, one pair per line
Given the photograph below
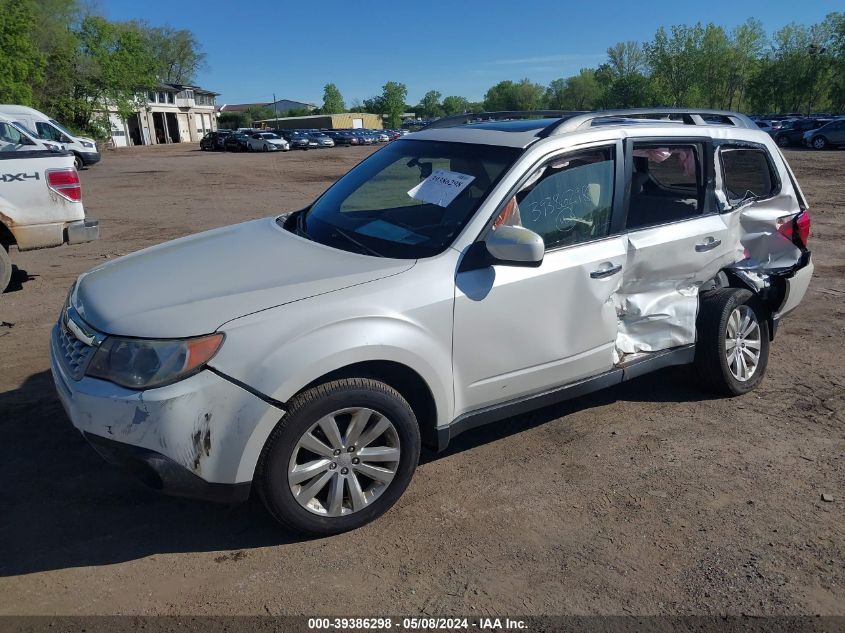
74, 354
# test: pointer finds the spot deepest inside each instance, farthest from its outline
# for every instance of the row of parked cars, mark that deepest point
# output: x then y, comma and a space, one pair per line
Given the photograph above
253, 140
818, 132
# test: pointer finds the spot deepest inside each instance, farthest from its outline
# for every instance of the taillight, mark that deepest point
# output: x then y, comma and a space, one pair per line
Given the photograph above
65, 182
796, 228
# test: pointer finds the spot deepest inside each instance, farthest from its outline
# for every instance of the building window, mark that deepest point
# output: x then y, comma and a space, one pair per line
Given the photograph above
170, 98
161, 98
151, 97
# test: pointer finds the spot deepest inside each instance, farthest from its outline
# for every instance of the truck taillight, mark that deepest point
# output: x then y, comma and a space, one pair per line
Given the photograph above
65, 182
796, 228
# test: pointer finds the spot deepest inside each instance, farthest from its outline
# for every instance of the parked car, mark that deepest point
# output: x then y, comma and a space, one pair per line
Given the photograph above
340, 137
214, 141
830, 134
318, 139
308, 355
792, 132
84, 149
295, 139
237, 142
40, 204
268, 142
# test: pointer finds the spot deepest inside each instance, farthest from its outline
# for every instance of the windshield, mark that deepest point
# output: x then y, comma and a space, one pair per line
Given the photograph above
62, 128
408, 200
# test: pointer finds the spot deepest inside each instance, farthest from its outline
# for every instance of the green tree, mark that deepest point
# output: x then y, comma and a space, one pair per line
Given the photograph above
455, 105
177, 53
430, 105
332, 100
509, 95
393, 102
579, 92
23, 62
115, 65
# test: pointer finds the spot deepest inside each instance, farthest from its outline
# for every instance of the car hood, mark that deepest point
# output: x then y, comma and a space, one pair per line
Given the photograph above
191, 286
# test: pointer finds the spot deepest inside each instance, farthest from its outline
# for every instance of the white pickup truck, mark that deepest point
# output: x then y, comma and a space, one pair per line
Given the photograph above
40, 205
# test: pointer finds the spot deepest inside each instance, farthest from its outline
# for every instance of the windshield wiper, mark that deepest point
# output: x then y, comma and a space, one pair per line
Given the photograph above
362, 248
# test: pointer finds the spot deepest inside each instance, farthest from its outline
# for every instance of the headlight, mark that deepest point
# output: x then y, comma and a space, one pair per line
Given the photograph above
87, 144
146, 363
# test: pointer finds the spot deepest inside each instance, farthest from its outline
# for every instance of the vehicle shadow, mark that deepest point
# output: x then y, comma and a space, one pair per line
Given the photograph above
62, 506
19, 278
672, 384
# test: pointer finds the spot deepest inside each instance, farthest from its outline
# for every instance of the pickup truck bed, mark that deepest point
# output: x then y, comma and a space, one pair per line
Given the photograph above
40, 204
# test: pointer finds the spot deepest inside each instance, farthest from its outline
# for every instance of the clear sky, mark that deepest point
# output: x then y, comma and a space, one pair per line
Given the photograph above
259, 47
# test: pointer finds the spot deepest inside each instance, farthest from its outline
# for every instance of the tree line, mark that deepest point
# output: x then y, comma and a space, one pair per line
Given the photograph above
62, 59
799, 68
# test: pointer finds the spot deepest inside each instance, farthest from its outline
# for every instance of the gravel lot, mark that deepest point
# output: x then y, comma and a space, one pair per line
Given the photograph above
648, 498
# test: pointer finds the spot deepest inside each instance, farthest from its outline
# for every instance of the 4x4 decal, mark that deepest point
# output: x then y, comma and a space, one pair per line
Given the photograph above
19, 177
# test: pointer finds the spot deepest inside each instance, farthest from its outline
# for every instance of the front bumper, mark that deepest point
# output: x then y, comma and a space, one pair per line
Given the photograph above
90, 158
83, 231
200, 437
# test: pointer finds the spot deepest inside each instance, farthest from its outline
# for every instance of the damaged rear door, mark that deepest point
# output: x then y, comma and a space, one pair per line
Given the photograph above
676, 241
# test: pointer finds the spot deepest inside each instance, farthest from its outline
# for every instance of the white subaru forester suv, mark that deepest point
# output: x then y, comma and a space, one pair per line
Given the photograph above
454, 278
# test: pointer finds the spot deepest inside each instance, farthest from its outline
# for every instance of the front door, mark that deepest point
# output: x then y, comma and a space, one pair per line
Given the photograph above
519, 331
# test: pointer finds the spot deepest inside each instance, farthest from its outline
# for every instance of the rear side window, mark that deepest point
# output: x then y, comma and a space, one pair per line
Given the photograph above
747, 174
667, 184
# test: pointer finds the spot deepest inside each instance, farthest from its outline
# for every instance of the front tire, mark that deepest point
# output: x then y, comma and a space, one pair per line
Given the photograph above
77, 162
341, 456
783, 141
732, 350
820, 142
5, 269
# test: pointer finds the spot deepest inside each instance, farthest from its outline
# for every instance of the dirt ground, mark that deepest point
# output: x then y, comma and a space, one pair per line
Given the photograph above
648, 498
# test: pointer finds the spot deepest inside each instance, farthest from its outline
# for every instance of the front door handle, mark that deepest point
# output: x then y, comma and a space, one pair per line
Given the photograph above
607, 269
708, 244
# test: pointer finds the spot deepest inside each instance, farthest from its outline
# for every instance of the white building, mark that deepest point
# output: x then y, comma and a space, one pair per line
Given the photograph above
173, 114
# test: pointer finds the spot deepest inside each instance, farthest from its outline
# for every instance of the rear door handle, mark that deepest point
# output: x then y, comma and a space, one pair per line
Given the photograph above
708, 244
606, 270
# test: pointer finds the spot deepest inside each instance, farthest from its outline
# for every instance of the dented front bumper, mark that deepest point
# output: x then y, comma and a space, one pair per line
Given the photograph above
199, 437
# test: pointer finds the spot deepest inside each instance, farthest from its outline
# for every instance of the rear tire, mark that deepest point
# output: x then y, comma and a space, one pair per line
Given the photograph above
732, 350
304, 503
5, 269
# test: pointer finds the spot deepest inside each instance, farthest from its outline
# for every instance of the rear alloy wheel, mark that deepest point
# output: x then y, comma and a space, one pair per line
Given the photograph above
341, 456
733, 341
819, 142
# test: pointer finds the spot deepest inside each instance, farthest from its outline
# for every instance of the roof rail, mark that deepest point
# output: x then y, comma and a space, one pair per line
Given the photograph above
682, 115
480, 117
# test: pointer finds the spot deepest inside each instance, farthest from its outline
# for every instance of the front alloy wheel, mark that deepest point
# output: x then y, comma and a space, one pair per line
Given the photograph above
342, 455
334, 472
820, 142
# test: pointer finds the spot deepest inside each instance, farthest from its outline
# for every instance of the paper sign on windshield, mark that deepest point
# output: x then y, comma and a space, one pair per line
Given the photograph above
441, 187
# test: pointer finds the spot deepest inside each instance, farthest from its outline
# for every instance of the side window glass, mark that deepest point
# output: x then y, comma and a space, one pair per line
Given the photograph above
9, 134
666, 185
47, 131
566, 201
747, 174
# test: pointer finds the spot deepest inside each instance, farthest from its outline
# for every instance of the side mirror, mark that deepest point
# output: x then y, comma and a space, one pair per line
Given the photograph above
506, 246
65, 139
515, 246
